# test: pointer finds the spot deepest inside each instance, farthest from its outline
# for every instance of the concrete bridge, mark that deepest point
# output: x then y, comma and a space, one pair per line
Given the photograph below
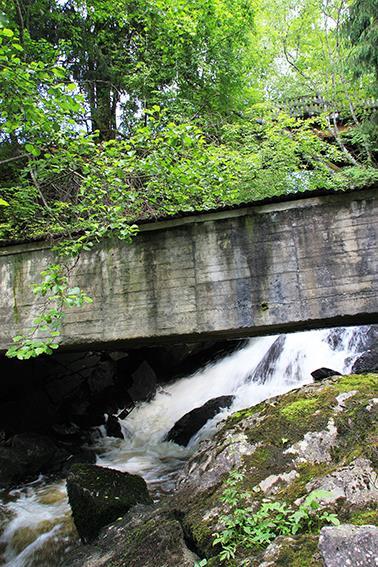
270, 268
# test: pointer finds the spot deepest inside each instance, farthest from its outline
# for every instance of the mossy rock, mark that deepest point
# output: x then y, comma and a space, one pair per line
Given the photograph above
147, 536
337, 415
98, 496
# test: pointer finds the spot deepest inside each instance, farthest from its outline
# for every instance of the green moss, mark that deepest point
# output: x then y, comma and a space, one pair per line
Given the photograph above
364, 382
299, 409
244, 414
306, 472
363, 517
299, 552
274, 426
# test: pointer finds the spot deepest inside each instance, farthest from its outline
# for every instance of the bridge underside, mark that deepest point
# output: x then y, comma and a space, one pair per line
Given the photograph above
256, 270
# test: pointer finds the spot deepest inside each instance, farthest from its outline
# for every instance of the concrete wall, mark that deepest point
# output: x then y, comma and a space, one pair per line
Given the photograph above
272, 268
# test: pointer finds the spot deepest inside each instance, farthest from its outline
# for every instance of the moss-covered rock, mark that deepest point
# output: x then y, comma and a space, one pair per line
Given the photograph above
98, 496
319, 436
146, 537
322, 436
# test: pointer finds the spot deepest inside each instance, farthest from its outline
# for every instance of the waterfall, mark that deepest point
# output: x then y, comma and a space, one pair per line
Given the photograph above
263, 368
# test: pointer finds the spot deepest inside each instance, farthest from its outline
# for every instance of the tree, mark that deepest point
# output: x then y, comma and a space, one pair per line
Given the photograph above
187, 56
362, 29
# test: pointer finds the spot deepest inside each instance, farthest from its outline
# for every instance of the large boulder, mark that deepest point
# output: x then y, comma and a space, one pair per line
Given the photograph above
356, 546
318, 437
146, 537
193, 421
98, 496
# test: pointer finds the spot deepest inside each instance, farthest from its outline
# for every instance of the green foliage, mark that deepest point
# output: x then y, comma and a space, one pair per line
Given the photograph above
362, 29
248, 528
57, 294
35, 100
113, 111
189, 56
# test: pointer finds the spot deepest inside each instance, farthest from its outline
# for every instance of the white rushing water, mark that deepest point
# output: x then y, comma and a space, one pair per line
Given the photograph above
263, 368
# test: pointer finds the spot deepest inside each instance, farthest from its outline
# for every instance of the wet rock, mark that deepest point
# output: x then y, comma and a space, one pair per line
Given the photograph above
28, 455
38, 451
146, 537
267, 366
193, 421
11, 470
349, 545
144, 383
367, 362
80, 456
98, 496
322, 373
113, 427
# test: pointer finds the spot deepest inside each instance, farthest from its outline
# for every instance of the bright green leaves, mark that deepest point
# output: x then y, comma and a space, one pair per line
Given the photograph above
57, 295
35, 104
244, 527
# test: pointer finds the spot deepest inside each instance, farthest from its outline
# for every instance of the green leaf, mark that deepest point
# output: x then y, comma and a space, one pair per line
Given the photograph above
6, 32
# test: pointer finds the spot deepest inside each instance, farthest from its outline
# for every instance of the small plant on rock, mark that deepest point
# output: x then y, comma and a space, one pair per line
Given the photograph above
245, 527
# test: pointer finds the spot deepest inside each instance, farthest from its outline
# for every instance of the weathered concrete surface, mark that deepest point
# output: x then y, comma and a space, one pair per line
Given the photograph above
268, 268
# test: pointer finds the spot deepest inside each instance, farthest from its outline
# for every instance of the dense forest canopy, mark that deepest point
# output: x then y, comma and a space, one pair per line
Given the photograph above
113, 111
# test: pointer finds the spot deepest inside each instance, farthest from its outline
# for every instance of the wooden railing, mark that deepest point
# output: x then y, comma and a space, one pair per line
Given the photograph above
309, 105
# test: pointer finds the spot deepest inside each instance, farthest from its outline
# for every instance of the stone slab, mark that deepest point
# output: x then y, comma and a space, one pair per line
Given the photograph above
251, 271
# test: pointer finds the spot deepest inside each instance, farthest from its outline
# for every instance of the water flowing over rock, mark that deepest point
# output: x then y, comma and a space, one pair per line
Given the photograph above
99, 496
267, 366
265, 435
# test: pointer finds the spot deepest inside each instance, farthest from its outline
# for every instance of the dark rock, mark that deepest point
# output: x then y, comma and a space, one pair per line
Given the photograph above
37, 451
113, 427
193, 421
31, 411
144, 383
11, 470
323, 373
83, 456
98, 496
102, 376
366, 362
349, 545
67, 432
146, 537
187, 359
29, 455
63, 388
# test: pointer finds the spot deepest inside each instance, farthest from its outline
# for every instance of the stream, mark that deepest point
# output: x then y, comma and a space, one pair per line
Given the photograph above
35, 519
